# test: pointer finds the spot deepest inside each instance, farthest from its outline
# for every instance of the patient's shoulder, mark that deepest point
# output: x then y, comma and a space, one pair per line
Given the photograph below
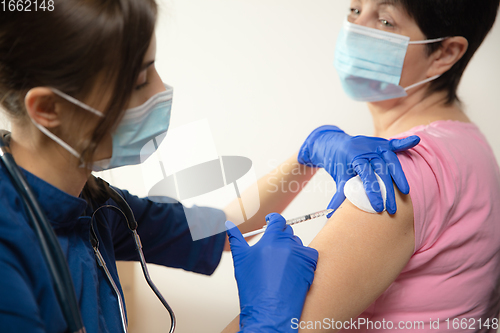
447, 142
453, 175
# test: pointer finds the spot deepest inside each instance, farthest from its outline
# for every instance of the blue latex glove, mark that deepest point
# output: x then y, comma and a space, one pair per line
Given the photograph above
344, 156
273, 276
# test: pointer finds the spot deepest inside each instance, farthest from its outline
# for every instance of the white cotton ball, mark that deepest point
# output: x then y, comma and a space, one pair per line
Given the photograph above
355, 193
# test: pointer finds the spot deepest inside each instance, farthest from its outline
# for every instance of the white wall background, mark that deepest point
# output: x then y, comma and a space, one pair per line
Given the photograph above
262, 73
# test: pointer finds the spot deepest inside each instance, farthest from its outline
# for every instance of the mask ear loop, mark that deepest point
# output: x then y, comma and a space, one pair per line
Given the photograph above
422, 82
52, 135
427, 41
56, 139
421, 42
77, 102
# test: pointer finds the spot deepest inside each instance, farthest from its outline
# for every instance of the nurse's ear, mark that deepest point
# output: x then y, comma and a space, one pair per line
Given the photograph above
43, 107
451, 51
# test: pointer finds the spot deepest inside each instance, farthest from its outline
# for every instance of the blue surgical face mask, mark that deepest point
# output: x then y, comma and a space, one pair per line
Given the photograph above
138, 126
370, 62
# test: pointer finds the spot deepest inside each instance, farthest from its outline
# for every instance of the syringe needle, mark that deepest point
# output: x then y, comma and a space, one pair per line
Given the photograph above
293, 221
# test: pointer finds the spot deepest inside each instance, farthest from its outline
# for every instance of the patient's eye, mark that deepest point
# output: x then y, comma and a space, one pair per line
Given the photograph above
353, 14
355, 11
386, 23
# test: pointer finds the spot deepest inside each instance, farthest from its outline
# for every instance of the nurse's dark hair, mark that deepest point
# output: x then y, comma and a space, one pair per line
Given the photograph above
76, 45
472, 19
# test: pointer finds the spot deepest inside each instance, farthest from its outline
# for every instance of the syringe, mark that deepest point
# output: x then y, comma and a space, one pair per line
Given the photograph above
293, 221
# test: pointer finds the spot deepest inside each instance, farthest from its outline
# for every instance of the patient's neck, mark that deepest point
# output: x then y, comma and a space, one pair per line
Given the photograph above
395, 116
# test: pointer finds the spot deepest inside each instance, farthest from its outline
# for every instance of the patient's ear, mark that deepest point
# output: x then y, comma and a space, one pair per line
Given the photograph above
43, 106
451, 51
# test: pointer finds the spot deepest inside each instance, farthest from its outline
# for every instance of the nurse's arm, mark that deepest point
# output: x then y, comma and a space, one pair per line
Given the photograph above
360, 255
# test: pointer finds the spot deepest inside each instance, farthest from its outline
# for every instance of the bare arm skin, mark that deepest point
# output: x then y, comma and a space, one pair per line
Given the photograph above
360, 255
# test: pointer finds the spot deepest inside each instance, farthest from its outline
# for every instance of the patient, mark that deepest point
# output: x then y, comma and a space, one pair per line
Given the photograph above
434, 265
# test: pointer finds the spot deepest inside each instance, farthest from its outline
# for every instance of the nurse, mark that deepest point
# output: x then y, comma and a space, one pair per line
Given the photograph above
79, 86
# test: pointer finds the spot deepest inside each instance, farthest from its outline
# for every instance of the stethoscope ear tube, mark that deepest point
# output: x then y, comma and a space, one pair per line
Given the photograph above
51, 249
125, 209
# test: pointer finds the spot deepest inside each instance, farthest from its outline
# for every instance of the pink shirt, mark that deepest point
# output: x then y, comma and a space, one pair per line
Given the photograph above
455, 269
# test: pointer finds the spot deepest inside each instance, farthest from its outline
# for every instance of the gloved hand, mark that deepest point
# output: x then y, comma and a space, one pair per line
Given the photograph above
273, 276
344, 156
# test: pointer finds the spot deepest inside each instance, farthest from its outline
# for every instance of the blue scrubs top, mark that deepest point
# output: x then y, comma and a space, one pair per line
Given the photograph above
27, 299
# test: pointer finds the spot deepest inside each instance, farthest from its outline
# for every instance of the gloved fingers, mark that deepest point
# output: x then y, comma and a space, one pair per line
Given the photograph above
326, 128
370, 183
398, 145
276, 222
236, 239
298, 240
381, 169
308, 260
308, 255
396, 171
337, 199
307, 148
312, 254
304, 155
288, 230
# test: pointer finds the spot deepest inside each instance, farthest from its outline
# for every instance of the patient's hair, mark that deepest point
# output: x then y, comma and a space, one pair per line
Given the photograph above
471, 19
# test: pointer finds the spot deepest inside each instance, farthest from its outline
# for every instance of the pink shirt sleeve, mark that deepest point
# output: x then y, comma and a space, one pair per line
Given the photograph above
444, 172
455, 268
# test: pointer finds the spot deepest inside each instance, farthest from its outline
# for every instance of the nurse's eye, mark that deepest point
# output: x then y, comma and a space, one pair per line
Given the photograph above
386, 23
142, 85
142, 79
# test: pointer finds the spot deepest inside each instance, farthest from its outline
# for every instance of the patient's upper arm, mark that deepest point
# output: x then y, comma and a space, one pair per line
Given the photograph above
360, 255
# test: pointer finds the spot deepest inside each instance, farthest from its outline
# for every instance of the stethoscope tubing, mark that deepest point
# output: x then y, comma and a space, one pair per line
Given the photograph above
51, 249
128, 215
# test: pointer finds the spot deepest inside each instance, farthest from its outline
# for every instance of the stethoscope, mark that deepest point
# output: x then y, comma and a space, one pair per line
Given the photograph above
53, 254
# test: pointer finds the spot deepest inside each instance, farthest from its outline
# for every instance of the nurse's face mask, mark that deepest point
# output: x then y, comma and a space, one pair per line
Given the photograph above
370, 62
138, 126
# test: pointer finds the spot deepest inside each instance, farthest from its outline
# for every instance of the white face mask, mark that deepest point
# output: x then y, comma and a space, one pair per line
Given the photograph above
370, 62
138, 126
